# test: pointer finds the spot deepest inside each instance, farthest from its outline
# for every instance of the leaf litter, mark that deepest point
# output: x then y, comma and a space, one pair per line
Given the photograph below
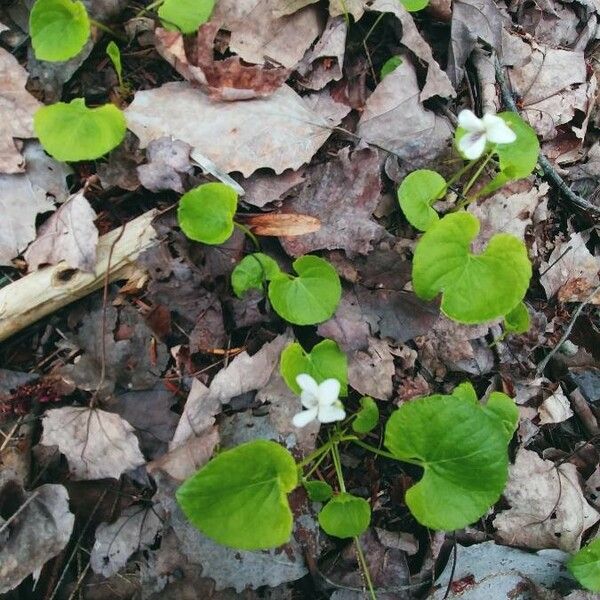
286, 102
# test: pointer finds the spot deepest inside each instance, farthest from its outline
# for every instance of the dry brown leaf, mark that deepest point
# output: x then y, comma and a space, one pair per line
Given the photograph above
136, 529
437, 82
343, 194
37, 534
263, 188
69, 235
571, 271
548, 508
259, 34
279, 132
168, 165
227, 79
395, 119
17, 107
370, 371
323, 63
96, 443
556, 408
356, 8
281, 224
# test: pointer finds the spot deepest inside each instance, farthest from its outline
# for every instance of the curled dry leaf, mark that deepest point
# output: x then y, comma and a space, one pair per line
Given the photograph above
280, 132
38, 533
17, 106
96, 443
259, 34
168, 165
281, 224
370, 371
548, 508
571, 271
136, 529
69, 235
227, 79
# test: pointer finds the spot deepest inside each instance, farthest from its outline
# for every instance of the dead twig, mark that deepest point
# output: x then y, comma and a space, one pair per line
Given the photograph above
549, 171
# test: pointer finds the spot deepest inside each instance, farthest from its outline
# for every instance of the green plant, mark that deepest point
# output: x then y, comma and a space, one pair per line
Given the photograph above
185, 15
475, 287
390, 65
73, 132
59, 29
205, 213
345, 516
113, 52
367, 417
252, 272
585, 566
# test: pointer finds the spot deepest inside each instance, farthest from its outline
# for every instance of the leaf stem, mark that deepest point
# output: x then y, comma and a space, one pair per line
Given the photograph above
246, 231
461, 172
384, 453
364, 568
148, 8
337, 463
314, 455
475, 178
107, 29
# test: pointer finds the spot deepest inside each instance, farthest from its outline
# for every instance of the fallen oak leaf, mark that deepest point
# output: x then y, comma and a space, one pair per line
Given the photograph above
96, 443
280, 224
227, 79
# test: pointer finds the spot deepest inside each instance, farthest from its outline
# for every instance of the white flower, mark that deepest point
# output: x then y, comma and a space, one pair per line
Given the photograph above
321, 401
480, 131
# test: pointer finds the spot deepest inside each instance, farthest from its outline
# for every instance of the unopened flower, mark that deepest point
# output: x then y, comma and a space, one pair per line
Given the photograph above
480, 131
321, 401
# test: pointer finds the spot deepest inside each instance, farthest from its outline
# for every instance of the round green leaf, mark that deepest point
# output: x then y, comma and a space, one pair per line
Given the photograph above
466, 392
475, 287
417, 193
585, 566
414, 5
324, 361
518, 159
205, 214
367, 417
251, 273
73, 132
59, 29
517, 320
463, 452
185, 15
390, 65
239, 498
345, 516
318, 491
503, 408
309, 298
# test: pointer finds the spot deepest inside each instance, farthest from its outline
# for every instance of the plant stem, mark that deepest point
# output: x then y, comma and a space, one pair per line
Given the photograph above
314, 455
461, 172
315, 465
384, 453
337, 463
148, 8
364, 568
377, 21
108, 30
476, 175
249, 233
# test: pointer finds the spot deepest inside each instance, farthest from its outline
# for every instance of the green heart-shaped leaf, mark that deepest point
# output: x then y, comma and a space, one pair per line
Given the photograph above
251, 273
239, 498
185, 15
414, 5
463, 452
73, 132
417, 193
205, 214
59, 29
345, 516
318, 491
585, 566
309, 298
517, 320
324, 361
367, 417
475, 287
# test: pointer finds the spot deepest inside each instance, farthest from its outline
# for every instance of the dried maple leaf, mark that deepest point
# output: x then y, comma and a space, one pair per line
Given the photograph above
97, 443
17, 106
227, 79
69, 235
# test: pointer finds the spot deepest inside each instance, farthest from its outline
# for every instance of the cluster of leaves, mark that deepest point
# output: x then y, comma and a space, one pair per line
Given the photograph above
475, 287
460, 443
59, 30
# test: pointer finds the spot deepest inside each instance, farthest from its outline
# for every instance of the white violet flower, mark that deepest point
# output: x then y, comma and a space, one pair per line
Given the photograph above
321, 401
490, 128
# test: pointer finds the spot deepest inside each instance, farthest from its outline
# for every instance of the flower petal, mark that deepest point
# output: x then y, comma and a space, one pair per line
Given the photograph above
329, 392
498, 131
472, 145
307, 383
468, 120
329, 414
308, 399
303, 418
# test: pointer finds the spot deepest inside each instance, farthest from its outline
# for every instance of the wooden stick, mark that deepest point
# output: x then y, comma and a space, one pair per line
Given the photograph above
45, 291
